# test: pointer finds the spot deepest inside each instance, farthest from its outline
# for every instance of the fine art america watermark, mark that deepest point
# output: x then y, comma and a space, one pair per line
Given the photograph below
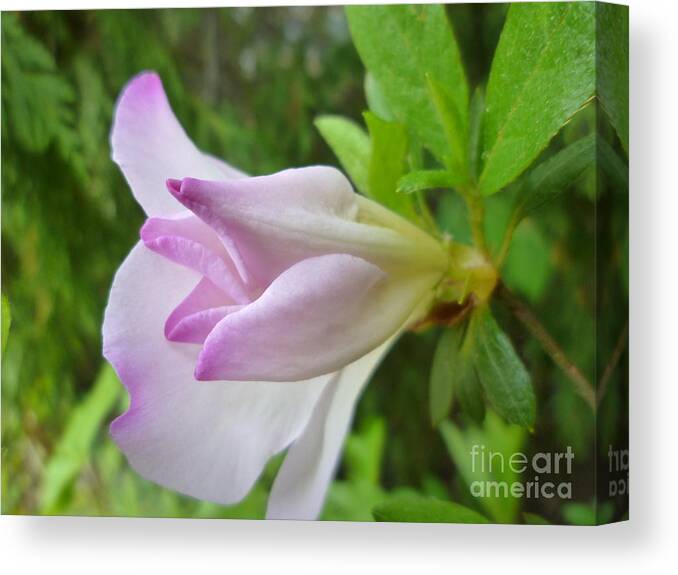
618, 470
544, 472
548, 474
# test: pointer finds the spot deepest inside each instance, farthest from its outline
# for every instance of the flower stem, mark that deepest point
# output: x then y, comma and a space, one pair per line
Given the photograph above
551, 347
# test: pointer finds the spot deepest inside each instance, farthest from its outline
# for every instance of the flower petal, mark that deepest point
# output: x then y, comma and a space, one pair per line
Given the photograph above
188, 241
301, 484
207, 441
275, 221
195, 317
316, 317
150, 146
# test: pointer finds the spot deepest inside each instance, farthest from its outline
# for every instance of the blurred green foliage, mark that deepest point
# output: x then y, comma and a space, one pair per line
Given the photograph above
247, 85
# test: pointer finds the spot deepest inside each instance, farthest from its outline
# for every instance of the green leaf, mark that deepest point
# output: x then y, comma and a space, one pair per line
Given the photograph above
561, 171
352, 497
426, 180
612, 71
351, 145
505, 380
613, 166
467, 387
475, 138
453, 375
543, 72
6, 321
498, 437
443, 367
364, 450
73, 449
36, 96
401, 45
413, 509
528, 267
454, 129
452, 217
579, 514
387, 164
376, 100
529, 264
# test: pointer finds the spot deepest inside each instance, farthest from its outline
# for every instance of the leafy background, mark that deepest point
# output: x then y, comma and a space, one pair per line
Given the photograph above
248, 84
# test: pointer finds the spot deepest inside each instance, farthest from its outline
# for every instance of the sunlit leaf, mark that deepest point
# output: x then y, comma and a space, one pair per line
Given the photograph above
387, 164
351, 144
426, 180
73, 448
543, 72
402, 45
454, 128
376, 100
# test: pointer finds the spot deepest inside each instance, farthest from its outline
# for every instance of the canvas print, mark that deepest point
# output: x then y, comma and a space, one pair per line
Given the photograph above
363, 263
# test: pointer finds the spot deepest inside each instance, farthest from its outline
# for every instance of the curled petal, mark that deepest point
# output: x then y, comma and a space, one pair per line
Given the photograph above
275, 221
316, 317
207, 441
188, 241
150, 146
195, 317
301, 483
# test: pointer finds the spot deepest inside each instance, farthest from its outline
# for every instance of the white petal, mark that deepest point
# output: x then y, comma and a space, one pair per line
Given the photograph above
150, 146
208, 440
301, 484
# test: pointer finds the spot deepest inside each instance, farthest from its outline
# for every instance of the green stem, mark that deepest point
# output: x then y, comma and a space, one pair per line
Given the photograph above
426, 215
614, 360
550, 346
476, 212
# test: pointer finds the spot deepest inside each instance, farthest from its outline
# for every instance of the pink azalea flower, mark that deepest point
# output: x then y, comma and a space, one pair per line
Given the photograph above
251, 314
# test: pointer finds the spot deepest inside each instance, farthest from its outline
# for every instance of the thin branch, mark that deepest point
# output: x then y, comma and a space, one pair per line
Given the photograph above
551, 347
612, 364
506, 241
426, 216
